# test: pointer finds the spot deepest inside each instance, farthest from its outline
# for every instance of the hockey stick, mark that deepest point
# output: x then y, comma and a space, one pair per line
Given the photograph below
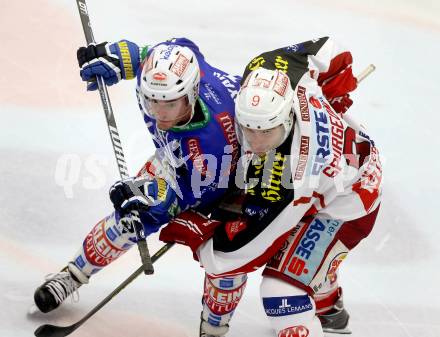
367, 71
117, 147
48, 330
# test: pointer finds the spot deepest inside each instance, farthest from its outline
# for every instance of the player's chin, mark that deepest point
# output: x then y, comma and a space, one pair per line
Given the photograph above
165, 125
261, 151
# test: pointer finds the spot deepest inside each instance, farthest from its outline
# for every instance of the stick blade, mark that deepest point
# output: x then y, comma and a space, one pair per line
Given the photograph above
48, 330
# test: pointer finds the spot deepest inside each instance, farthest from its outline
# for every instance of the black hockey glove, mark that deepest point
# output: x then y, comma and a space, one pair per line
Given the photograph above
99, 60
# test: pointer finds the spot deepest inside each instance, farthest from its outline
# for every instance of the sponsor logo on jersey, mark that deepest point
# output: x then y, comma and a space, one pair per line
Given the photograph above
98, 248
334, 265
280, 255
303, 104
303, 156
180, 65
305, 248
323, 140
226, 283
271, 188
337, 131
256, 63
315, 102
368, 186
229, 82
79, 261
211, 94
283, 306
281, 64
159, 76
221, 301
234, 227
126, 60
294, 331
294, 48
195, 154
226, 122
161, 189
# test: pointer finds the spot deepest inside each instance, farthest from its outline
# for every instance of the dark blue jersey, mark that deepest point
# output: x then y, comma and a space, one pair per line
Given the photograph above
203, 153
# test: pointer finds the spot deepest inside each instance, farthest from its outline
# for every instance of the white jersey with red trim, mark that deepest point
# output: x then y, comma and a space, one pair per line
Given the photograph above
334, 165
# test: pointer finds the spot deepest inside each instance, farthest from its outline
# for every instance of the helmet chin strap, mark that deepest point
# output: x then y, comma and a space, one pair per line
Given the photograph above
288, 127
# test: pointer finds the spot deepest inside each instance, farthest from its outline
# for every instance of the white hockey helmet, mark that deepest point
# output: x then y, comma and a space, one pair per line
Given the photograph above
170, 72
265, 101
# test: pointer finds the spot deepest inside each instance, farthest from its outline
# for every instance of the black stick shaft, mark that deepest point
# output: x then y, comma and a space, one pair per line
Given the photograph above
114, 136
49, 330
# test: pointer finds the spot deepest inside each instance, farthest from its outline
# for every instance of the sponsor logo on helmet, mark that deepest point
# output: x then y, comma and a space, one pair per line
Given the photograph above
261, 82
281, 83
159, 76
179, 67
294, 331
158, 84
165, 54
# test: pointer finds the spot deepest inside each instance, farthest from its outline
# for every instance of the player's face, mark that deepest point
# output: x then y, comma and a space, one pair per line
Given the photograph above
169, 113
262, 141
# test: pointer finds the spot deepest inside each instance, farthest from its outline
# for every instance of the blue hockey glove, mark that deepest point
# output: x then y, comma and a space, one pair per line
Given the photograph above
111, 61
153, 198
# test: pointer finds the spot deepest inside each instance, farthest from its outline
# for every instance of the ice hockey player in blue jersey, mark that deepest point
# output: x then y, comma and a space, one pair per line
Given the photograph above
188, 107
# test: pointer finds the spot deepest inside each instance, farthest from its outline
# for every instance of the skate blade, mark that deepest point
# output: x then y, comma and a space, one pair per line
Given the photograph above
33, 310
345, 331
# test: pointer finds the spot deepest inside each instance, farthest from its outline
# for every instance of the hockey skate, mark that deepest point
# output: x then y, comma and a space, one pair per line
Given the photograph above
336, 320
208, 330
58, 287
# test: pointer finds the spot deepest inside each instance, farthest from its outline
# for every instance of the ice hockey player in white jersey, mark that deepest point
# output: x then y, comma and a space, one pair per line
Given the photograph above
312, 193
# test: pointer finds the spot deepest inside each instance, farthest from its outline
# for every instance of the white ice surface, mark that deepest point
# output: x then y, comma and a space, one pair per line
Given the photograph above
391, 281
